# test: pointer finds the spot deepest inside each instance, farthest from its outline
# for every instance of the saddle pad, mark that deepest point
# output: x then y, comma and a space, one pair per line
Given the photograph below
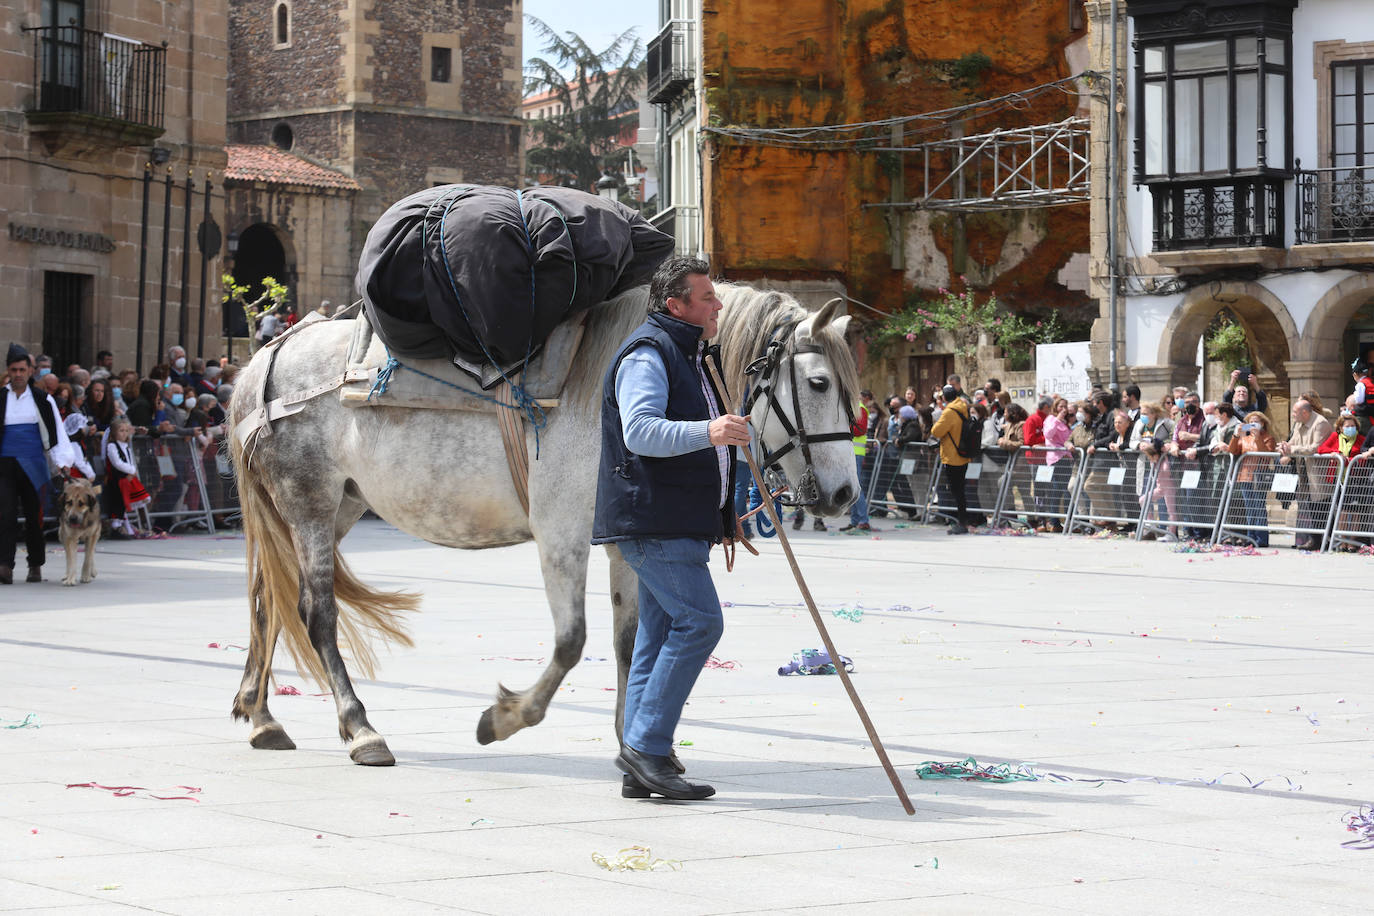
435, 388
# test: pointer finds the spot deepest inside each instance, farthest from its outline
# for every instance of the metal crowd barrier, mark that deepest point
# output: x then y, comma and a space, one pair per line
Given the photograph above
1270, 496
1109, 489
982, 487
171, 470
1352, 523
1187, 496
1036, 491
902, 478
221, 488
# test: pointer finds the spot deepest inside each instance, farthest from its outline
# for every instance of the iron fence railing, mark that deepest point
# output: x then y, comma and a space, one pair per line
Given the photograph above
1232, 212
82, 71
1335, 205
671, 61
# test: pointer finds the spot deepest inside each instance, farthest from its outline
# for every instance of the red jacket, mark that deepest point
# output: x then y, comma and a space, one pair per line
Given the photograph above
1332, 447
1034, 432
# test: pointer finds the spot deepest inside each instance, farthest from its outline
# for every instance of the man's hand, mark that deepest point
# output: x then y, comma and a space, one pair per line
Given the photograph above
729, 429
1235, 375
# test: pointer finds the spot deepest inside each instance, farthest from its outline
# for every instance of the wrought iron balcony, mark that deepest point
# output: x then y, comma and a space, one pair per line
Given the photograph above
105, 87
1231, 212
1335, 205
671, 61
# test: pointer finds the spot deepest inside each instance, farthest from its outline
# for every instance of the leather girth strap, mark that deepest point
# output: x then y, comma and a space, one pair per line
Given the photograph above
512, 423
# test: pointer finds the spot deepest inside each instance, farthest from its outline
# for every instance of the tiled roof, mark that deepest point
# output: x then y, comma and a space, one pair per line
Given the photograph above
276, 166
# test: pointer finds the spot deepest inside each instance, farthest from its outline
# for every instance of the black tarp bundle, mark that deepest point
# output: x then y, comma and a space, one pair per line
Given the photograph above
482, 275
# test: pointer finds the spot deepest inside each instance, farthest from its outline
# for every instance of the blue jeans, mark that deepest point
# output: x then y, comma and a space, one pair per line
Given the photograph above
1256, 512
679, 625
858, 513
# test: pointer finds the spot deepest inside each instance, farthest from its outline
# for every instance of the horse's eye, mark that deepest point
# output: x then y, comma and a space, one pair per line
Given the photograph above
819, 383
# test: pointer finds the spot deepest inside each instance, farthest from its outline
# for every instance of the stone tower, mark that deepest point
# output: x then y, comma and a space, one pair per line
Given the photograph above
398, 95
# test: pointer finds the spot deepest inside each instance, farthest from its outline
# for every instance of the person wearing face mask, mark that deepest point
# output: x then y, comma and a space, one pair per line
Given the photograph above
1254, 436
174, 401
1346, 440
1181, 502
177, 366
1310, 430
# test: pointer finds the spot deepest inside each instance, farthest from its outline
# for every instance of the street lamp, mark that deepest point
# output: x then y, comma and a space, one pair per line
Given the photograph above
607, 187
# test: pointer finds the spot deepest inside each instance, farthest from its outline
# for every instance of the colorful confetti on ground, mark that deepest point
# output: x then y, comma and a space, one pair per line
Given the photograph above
286, 690
1072, 642
1005, 532
1361, 822
853, 614
814, 661
132, 791
226, 645
971, 770
1225, 550
635, 858
714, 662
29, 721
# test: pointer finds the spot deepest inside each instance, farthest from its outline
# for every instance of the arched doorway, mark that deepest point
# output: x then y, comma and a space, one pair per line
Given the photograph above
262, 252
1269, 331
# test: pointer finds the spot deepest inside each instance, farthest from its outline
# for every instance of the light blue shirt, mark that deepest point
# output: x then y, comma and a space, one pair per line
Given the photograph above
641, 390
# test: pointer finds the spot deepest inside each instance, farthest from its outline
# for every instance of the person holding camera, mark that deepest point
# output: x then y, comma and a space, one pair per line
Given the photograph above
1245, 392
1254, 436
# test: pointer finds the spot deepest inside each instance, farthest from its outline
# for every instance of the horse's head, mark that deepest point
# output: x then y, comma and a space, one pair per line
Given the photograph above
814, 388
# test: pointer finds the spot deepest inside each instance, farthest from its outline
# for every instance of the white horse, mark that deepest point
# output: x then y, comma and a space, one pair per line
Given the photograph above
443, 476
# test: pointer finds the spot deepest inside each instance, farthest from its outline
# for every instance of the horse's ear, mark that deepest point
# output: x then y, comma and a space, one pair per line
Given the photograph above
816, 322
841, 325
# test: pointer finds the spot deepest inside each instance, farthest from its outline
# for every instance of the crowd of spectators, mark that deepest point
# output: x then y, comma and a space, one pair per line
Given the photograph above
1174, 442
136, 435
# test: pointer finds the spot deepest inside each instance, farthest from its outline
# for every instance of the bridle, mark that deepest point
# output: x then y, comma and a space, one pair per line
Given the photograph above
806, 492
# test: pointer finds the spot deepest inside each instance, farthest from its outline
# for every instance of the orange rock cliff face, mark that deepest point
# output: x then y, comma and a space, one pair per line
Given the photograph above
799, 214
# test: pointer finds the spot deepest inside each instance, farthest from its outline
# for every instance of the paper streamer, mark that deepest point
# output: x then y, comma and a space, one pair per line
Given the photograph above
729, 665
635, 858
1360, 821
133, 791
29, 721
971, 770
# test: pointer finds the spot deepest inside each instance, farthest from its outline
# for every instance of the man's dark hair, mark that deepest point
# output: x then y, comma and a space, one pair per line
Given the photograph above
954, 381
102, 354
670, 281
992, 385
866, 393
148, 390
1133, 391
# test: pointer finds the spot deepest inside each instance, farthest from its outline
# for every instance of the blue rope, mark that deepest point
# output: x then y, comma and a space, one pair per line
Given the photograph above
393, 365
384, 377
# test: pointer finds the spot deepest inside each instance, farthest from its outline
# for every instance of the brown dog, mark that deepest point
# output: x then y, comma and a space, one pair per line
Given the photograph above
78, 511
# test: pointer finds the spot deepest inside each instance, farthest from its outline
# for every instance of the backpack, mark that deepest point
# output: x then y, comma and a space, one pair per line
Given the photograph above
970, 444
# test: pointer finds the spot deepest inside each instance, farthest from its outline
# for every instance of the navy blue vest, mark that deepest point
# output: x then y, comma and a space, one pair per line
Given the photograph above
642, 497
45, 412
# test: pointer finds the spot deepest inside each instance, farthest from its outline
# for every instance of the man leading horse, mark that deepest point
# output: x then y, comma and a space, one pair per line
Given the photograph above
663, 496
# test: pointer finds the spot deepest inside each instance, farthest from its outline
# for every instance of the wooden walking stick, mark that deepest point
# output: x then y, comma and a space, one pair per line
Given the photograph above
825, 637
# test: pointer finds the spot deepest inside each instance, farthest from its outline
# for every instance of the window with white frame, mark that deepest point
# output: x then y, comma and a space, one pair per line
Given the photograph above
1217, 105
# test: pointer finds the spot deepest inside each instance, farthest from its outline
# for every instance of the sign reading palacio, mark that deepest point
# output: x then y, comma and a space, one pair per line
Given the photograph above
62, 238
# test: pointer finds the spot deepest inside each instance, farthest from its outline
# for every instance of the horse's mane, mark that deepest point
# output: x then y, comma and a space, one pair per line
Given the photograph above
748, 322
608, 324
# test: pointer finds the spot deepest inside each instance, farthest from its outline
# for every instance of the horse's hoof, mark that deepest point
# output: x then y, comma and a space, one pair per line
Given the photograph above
486, 733
271, 738
372, 752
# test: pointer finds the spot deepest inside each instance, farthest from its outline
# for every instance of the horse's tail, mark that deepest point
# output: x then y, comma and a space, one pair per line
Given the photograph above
365, 614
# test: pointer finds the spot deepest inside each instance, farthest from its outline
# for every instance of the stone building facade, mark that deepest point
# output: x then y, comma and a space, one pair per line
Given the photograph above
827, 219
91, 94
393, 95
1251, 203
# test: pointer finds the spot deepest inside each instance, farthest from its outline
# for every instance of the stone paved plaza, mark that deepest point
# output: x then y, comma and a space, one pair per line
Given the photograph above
1088, 658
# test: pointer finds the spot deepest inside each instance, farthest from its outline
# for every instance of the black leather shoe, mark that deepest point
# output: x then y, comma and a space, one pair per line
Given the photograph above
35, 574
6, 575
654, 774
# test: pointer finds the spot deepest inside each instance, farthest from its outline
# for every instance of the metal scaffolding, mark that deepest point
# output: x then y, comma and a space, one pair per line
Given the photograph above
1046, 165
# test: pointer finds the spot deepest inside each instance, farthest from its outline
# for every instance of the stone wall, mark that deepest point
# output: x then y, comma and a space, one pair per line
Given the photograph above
85, 185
